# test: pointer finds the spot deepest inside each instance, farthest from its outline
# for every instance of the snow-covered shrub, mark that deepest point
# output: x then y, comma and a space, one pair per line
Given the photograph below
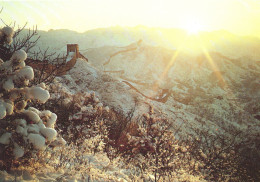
83, 121
80, 115
89, 128
226, 158
6, 35
150, 147
25, 130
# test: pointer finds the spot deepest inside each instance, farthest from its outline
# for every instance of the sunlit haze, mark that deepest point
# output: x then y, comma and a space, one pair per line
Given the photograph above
130, 90
237, 16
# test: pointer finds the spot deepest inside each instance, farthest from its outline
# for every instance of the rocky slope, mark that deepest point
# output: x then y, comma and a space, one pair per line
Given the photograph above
211, 89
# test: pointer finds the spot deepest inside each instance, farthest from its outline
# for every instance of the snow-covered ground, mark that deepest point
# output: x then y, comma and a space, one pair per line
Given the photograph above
214, 93
197, 84
98, 169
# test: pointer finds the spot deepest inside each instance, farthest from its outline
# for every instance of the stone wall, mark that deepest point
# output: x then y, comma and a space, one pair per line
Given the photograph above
57, 69
73, 48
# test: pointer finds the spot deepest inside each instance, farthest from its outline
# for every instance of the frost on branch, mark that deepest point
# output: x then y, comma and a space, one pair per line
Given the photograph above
24, 130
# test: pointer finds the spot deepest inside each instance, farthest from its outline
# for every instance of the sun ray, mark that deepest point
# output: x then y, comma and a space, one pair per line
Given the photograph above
20, 13
42, 16
219, 76
51, 9
230, 94
215, 68
212, 64
169, 65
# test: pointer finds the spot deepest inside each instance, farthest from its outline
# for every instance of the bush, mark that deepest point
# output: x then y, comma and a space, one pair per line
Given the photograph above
25, 131
150, 147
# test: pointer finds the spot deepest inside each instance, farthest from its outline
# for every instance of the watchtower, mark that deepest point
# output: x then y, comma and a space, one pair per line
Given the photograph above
73, 48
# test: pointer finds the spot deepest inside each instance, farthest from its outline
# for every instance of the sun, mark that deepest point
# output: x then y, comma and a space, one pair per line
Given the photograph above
193, 26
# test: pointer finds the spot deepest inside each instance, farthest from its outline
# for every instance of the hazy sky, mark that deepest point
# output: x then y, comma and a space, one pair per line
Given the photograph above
238, 16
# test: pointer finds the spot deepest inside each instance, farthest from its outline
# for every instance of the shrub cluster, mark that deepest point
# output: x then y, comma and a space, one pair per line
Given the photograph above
150, 147
25, 131
6, 35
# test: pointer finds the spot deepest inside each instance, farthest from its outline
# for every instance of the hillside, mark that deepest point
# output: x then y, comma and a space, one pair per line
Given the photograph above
112, 109
195, 84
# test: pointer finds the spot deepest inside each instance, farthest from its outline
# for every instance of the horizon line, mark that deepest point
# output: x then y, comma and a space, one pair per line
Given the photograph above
147, 27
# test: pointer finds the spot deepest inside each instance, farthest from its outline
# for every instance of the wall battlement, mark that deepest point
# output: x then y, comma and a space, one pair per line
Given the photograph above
73, 48
56, 68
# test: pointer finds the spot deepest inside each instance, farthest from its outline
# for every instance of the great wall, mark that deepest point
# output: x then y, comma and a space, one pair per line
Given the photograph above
71, 58
61, 68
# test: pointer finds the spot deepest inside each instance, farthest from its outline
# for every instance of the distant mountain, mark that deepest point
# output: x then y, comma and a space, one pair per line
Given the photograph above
222, 41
